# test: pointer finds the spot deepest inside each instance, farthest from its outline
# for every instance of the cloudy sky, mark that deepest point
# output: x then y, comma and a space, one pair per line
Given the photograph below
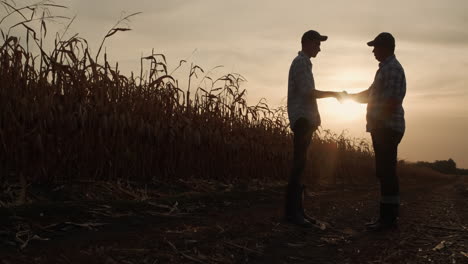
259, 39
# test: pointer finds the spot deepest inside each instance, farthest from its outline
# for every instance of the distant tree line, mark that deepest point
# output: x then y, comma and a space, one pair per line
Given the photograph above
444, 166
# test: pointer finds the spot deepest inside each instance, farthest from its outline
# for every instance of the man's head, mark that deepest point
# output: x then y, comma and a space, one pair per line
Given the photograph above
384, 46
311, 42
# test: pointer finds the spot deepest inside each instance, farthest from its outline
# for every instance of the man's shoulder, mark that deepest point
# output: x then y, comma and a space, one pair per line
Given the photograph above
395, 63
393, 66
300, 61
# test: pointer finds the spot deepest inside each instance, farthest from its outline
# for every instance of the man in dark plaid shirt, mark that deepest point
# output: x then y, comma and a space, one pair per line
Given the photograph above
386, 123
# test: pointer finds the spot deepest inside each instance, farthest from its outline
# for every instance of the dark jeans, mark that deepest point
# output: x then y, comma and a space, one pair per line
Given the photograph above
302, 130
385, 142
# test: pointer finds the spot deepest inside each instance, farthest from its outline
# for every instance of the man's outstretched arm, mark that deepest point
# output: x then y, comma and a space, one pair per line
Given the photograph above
325, 94
361, 97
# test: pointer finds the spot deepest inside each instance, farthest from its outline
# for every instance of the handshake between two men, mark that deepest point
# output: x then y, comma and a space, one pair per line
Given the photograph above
342, 96
385, 122
357, 97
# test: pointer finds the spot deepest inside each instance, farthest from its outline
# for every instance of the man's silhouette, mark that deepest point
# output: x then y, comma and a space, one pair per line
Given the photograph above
386, 123
304, 119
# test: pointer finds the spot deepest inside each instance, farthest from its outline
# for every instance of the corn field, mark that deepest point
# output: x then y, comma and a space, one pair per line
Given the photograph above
66, 116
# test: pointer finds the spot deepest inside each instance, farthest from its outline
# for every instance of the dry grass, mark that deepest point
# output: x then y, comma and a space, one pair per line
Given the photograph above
65, 116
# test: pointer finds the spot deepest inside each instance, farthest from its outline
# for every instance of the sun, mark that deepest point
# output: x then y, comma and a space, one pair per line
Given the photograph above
348, 110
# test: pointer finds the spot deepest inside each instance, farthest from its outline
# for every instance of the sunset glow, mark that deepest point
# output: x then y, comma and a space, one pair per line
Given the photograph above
251, 40
349, 110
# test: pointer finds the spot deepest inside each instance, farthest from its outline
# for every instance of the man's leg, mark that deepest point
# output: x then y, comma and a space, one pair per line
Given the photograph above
302, 134
390, 186
385, 143
379, 169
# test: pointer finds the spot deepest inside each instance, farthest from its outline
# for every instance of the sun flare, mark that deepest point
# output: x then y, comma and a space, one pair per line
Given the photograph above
347, 110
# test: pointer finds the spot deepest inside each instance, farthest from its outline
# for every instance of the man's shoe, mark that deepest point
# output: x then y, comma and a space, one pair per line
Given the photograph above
298, 220
373, 222
381, 225
388, 218
301, 207
309, 218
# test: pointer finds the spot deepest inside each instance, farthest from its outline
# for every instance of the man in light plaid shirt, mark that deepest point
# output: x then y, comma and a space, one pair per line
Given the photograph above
304, 119
386, 123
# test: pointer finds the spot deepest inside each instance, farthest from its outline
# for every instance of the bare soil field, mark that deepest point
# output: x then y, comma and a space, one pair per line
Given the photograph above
208, 222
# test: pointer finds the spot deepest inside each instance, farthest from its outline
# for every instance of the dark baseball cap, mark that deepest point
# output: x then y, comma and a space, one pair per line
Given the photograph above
313, 35
384, 39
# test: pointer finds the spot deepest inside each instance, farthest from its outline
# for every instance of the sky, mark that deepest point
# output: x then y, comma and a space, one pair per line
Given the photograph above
259, 39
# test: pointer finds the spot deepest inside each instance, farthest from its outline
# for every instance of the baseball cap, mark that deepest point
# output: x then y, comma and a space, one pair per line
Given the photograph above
383, 39
313, 35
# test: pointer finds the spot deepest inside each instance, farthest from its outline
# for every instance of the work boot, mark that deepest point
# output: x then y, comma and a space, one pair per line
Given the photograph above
293, 208
302, 210
376, 220
387, 219
299, 220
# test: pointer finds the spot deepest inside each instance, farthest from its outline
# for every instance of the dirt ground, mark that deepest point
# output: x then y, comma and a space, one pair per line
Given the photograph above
205, 222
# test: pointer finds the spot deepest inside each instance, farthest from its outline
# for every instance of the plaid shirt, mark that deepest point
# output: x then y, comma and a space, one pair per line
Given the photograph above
386, 94
301, 85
